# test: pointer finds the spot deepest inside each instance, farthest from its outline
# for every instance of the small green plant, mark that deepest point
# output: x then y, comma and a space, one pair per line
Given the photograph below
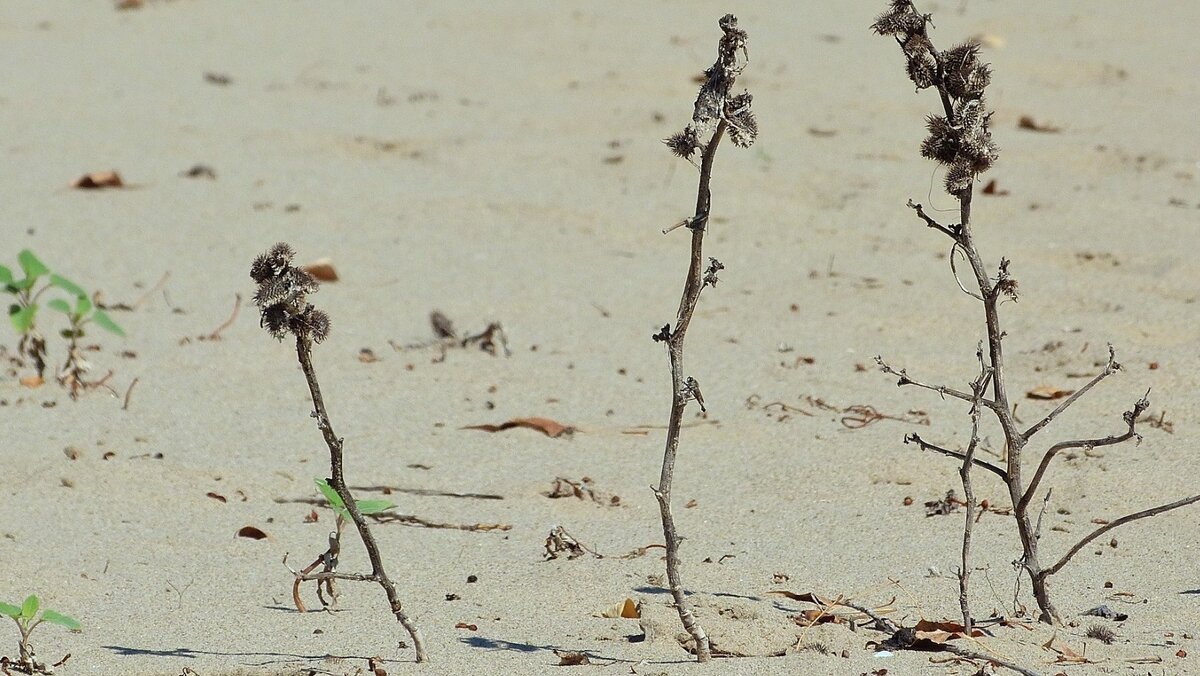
78, 309
27, 618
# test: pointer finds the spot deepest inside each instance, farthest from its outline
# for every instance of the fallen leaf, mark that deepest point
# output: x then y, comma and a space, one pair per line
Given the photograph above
251, 532
216, 496
322, 269
1028, 123
1181, 653
550, 428
200, 171
464, 625
1065, 654
571, 658
32, 381
940, 632
992, 189
626, 609
375, 665
312, 517
97, 180
367, 356
1048, 392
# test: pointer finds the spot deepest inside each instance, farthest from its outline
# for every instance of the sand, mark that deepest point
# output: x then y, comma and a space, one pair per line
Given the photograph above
501, 162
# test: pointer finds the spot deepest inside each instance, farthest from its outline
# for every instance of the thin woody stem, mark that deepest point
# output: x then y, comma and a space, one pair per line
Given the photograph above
338, 482
680, 395
1144, 514
926, 446
1130, 419
1110, 368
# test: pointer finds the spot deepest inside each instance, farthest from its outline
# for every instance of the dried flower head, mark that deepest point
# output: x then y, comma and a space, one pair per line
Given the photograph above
716, 102
961, 138
685, 143
943, 141
901, 20
282, 296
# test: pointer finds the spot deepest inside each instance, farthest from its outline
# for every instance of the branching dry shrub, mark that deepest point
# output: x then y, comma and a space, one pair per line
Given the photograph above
959, 138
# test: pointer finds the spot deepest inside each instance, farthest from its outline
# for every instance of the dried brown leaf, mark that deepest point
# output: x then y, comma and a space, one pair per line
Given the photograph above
97, 180
322, 269
571, 658
1048, 393
627, 609
1028, 123
251, 532
550, 428
216, 496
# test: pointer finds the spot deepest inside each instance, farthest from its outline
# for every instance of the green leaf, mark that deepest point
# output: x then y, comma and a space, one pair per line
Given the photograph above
60, 305
10, 610
30, 607
24, 284
373, 506
66, 285
331, 496
63, 620
6, 277
31, 265
83, 305
105, 322
22, 320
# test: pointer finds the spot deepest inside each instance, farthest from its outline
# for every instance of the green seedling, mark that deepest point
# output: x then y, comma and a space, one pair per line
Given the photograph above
27, 618
78, 309
22, 310
79, 315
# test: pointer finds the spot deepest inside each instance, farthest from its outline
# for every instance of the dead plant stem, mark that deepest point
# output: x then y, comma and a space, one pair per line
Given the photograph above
338, 482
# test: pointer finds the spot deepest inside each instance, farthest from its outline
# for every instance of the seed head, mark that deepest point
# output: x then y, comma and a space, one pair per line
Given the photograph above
282, 297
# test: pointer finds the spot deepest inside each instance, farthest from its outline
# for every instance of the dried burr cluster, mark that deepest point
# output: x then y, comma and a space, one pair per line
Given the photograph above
282, 297
960, 139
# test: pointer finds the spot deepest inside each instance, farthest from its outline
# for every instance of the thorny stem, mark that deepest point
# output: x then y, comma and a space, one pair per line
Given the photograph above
338, 482
680, 395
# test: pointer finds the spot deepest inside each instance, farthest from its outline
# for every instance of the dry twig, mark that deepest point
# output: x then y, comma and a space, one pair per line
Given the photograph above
717, 111
282, 298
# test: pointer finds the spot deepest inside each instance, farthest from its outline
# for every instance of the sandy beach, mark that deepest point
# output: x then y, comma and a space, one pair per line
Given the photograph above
502, 162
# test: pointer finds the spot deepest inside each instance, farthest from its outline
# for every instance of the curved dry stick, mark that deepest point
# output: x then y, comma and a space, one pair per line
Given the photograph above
1144, 514
914, 438
1130, 419
1110, 368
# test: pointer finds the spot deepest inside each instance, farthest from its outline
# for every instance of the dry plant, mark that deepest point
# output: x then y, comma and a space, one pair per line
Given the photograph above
960, 139
282, 299
718, 111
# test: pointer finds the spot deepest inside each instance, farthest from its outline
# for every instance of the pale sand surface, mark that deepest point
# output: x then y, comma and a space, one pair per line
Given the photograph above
478, 185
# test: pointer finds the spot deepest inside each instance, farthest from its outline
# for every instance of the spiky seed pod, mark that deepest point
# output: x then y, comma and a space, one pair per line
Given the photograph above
961, 66
943, 141
272, 263
743, 127
921, 63
958, 178
310, 323
685, 143
275, 320
901, 19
